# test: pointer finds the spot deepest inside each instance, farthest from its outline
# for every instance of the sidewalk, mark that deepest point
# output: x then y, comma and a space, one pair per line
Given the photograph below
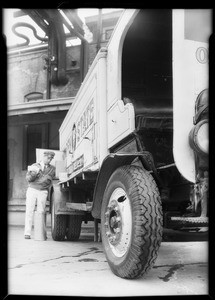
80, 268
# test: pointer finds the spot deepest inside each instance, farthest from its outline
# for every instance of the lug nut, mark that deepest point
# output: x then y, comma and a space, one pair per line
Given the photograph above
112, 238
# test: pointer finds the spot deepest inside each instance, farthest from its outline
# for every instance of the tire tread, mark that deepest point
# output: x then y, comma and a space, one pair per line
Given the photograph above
147, 218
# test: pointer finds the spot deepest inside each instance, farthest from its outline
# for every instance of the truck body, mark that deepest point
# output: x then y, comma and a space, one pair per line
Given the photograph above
134, 142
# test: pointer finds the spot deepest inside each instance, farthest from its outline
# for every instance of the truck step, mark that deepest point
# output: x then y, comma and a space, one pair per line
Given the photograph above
188, 221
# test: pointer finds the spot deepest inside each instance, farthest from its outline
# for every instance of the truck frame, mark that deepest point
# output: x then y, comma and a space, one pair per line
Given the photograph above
134, 143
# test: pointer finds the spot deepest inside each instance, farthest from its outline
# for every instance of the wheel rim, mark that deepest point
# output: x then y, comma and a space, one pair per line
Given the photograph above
118, 222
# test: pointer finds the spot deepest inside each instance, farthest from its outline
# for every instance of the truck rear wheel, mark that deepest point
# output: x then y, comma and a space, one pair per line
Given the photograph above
74, 227
131, 222
58, 222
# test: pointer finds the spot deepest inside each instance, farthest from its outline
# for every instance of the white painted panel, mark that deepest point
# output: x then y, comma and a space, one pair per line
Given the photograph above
83, 133
121, 120
190, 77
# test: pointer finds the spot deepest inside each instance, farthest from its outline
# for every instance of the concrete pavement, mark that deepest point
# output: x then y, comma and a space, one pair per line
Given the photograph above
80, 268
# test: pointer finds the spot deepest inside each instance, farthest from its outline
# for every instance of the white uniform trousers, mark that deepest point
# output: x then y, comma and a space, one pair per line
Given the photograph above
34, 197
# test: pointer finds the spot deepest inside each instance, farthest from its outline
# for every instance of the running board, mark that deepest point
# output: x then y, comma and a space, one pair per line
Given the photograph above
176, 221
72, 208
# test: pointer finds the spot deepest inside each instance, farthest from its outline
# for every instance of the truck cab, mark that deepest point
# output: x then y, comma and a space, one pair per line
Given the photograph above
134, 143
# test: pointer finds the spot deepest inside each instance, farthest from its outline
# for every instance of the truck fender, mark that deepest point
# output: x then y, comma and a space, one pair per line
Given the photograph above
109, 165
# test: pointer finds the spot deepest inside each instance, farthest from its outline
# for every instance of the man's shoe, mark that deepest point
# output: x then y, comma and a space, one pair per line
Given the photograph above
27, 237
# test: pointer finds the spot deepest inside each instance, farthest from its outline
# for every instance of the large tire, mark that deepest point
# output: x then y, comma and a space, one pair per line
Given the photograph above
131, 222
58, 222
74, 227
74, 221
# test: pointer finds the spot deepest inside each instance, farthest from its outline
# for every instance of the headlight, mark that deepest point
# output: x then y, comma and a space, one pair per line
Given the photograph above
198, 137
201, 106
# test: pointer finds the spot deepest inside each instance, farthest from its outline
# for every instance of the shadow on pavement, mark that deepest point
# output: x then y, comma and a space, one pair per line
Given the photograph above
171, 235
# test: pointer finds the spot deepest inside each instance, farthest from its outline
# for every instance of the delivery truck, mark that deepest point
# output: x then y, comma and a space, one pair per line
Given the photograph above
134, 143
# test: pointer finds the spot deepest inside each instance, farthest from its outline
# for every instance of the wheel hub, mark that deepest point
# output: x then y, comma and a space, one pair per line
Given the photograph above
113, 222
118, 222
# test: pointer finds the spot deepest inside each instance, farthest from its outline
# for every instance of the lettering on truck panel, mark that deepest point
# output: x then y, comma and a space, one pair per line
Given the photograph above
80, 127
76, 164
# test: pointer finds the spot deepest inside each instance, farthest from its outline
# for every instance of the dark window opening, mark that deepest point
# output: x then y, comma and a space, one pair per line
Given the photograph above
147, 60
35, 136
147, 80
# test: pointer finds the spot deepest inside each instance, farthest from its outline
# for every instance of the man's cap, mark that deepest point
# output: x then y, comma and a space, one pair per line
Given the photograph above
49, 153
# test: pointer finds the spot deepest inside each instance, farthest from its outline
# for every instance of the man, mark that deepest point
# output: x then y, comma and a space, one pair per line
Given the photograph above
39, 177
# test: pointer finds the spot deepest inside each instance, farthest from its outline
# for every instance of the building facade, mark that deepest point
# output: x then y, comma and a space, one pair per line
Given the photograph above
37, 107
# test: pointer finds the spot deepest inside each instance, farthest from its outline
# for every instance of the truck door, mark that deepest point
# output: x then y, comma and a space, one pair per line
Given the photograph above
191, 32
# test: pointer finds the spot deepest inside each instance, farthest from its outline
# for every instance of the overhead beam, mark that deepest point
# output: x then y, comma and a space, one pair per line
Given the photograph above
37, 17
75, 20
76, 31
40, 15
